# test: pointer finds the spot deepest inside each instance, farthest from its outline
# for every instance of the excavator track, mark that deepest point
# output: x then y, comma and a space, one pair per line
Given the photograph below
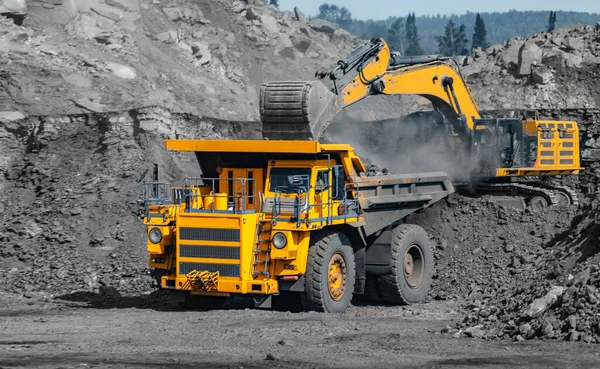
297, 110
565, 195
537, 197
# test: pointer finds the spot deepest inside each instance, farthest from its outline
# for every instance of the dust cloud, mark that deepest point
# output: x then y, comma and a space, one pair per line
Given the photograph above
414, 143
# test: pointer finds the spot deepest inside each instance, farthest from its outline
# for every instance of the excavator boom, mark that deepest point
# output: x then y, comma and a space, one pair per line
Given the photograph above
304, 109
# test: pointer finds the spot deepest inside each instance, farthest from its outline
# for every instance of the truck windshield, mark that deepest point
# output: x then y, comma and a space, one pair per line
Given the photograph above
289, 180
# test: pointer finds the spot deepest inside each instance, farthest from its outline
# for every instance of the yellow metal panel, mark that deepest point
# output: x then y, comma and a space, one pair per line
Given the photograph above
248, 240
208, 220
426, 81
252, 146
297, 266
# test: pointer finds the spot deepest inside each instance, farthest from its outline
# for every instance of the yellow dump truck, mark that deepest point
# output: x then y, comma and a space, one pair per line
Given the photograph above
301, 218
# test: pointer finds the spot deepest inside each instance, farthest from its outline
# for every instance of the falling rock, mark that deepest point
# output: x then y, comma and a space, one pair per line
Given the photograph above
300, 17
122, 71
539, 306
529, 54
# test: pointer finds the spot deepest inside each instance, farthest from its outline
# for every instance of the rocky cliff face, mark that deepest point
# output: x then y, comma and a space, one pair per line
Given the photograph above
205, 58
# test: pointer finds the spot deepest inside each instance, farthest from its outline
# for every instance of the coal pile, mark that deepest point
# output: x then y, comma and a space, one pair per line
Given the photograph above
522, 275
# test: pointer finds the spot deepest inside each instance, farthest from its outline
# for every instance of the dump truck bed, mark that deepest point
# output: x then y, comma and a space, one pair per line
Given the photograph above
385, 199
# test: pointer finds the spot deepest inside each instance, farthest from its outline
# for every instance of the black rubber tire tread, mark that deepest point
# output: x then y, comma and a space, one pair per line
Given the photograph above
393, 287
316, 296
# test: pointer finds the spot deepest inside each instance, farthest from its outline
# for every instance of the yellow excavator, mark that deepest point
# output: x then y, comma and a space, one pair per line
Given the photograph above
496, 154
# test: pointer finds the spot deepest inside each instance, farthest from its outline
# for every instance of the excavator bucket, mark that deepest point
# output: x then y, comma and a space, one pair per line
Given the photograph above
297, 110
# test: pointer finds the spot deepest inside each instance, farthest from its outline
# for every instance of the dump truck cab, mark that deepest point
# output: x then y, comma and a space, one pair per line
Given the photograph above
252, 222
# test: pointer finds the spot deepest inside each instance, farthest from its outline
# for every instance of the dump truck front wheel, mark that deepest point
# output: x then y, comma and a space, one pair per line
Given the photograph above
412, 266
330, 273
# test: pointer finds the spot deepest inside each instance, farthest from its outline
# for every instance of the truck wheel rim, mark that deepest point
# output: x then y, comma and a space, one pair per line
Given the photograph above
336, 277
414, 264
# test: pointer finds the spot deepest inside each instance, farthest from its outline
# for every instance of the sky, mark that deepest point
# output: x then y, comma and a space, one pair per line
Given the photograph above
381, 9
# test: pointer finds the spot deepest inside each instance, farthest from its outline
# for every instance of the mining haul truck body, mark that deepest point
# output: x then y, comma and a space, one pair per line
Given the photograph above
299, 218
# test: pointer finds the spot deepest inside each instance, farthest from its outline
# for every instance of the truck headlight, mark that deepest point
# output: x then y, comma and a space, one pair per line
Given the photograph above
279, 240
155, 235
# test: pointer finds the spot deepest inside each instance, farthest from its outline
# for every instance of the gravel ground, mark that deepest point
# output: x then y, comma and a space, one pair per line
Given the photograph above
80, 334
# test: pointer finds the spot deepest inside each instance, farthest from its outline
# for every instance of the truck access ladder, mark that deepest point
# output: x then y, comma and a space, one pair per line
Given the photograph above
261, 254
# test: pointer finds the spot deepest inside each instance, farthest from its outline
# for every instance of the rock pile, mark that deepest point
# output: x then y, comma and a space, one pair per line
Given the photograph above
69, 214
522, 275
554, 70
202, 57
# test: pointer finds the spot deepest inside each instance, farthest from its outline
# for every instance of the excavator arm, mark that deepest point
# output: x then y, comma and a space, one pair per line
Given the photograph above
303, 110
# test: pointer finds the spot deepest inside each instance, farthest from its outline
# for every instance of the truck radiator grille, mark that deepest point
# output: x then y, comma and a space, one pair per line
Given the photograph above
209, 234
210, 252
225, 270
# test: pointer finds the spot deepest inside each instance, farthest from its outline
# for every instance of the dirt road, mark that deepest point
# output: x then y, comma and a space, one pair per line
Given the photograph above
139, 333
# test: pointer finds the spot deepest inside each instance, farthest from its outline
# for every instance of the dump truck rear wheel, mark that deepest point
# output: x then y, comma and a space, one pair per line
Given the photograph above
412, 266
330, 273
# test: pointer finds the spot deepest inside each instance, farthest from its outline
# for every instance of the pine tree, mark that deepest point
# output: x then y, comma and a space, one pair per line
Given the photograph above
412, 36
551, 22
274, 2
480, 34
335, 14
395, 36
454, 40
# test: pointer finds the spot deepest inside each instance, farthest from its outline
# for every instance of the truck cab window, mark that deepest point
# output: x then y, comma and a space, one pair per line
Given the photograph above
289, 180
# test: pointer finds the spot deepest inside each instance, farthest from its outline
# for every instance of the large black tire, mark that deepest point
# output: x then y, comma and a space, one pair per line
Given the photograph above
412, 266
330, 273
